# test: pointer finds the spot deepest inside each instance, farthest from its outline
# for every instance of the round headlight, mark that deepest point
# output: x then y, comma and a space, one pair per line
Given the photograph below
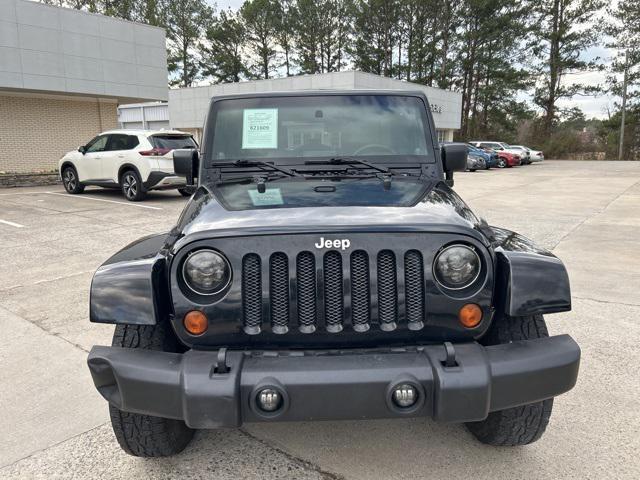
206, 272
456, 267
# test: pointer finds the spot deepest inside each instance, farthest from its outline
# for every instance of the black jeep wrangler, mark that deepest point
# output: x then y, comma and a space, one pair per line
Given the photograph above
324, 269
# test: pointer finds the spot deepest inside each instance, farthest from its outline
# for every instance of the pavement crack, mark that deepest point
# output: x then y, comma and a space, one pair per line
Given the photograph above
608, 302
48, 332
63, 277
9, 465
594, 214
297, 460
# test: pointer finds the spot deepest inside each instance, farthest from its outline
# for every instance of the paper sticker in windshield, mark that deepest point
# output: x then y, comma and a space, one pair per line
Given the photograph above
271, 196
260, 128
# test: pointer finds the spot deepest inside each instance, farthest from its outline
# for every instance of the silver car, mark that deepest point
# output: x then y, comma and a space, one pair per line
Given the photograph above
534, 155
475, 162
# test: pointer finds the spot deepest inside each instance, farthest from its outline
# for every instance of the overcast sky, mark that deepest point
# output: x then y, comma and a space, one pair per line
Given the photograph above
591, 106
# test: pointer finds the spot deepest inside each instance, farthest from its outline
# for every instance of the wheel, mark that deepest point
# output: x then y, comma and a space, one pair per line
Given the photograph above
132, 187
185, 192
145, 435
519, 425
502, 163
70, 181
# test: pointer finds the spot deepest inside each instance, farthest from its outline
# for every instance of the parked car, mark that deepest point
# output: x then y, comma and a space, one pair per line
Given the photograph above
135, 161
490, 157
499, 147
507, 159
475, 162
323, 276
534, 155
524, 153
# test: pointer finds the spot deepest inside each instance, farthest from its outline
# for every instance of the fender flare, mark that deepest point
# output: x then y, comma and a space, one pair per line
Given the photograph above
131, 286
530, 280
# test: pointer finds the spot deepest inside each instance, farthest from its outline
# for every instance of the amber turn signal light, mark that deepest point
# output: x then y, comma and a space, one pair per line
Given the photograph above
195, 322
470, 315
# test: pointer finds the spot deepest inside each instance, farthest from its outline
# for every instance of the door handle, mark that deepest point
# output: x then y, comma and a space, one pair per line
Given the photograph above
120, 156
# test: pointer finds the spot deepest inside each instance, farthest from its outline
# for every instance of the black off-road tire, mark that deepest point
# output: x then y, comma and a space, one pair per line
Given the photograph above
518, 425
70, 181
145, 435
131, 186
185, 192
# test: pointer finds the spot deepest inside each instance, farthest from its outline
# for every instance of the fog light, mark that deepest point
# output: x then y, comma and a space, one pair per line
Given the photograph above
269, 399
405, 395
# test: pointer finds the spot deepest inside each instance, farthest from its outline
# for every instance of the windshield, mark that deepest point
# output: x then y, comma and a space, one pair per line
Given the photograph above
295, 192
389, 128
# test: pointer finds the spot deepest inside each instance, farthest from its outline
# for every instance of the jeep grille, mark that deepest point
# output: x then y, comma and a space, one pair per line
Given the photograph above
323, 294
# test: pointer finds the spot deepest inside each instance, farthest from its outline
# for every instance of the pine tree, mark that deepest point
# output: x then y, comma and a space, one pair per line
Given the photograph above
222, 50
186, 22
565, 29
260, 18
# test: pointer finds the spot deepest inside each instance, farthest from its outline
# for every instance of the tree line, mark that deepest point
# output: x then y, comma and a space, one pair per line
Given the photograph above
513, 61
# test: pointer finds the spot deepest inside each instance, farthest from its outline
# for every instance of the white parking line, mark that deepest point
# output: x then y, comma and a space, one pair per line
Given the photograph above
128, 204
7, 222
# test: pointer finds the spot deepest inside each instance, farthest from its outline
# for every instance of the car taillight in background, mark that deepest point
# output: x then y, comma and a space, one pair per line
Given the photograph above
155, 152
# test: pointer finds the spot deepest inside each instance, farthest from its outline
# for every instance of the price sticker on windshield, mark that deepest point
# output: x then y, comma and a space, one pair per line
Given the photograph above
271, 196
260, 128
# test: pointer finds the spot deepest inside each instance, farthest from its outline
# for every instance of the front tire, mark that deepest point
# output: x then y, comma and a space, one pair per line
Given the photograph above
146, 435
502, 163
185, 192
70, 181
519, 425
131, 185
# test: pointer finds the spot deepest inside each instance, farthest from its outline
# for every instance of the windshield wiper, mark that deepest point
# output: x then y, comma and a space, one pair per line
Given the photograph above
349, 161
384, 174
259, 180
257, 163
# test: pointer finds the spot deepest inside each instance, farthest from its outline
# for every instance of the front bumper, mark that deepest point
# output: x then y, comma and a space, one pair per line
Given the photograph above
333, 385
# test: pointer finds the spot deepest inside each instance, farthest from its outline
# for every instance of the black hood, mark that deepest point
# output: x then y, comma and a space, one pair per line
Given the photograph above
440, 208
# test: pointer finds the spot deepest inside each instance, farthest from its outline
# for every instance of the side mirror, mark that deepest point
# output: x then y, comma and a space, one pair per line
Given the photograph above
454, 159
82, 149
186, 161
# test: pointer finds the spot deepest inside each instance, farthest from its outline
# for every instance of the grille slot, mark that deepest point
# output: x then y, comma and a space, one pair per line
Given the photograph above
360, 291
333, 297
414, 289
251, 293
279, 292
306, 293
387, 290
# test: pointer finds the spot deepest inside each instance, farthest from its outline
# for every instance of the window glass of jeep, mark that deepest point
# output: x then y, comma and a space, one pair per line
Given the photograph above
390, 128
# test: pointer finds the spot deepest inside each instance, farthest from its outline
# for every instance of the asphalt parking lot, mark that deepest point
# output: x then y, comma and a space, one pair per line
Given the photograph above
55, 425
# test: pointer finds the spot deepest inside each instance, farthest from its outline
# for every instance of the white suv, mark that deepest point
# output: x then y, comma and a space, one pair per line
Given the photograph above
135, 161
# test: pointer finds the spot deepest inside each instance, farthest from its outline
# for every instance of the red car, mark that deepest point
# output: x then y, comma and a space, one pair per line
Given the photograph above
506, 159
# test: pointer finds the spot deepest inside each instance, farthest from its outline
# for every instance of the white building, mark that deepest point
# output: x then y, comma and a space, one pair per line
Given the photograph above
145, 116
188, 106
63, 73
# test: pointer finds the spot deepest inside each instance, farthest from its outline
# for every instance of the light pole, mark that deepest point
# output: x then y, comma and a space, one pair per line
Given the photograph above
624, 104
